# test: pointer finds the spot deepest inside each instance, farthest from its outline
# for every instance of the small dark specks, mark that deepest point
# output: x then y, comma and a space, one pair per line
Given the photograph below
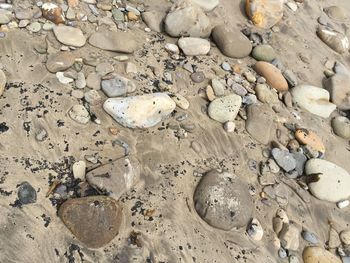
30, 236
60, 123
3, 127
26, 127
46, 219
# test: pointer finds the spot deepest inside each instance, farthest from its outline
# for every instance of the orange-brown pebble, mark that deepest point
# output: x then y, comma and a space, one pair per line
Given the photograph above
53, 13
73, 3
132, 16
113, 130
272, 75
311, 139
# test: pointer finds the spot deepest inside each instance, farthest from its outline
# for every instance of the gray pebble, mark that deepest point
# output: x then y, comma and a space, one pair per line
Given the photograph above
26, 193
282, 253
226, 66
309, 237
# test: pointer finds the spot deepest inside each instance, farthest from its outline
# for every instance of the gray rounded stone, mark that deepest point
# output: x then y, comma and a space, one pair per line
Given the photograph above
225, 108
26, 193
223, 200
264, 53
341, 127
117, 86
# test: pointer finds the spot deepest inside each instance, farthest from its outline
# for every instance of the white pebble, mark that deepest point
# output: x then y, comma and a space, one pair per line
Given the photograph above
172, 48
79, 169
229, 126
343, 204
255, 230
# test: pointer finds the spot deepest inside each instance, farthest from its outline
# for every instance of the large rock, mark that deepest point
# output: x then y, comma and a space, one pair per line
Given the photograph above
335, 40
319, 255
206, 5
339, 89
140, 111
272, 75
154, 20
223, 200
94, 220
117, 41
59, 61
328, 181
259, 123
313, 99
187, 19
117, 86
341, 127
264, 14
231, 42
193, 46
225, 108
69, 36
115, 178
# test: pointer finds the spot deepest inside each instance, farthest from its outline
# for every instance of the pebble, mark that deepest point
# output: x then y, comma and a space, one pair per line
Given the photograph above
239, 89
218, 87
225, 108
142, 111
26, 194
207, 5
291, 78
339, 88
118, 86
5, 17
284, 159
154, 20
78, 94
226, 66
264, 53
293, 259
229, 126
336, 13
310, 138
114, 41
80, 82
180, 101
41, 135
198, 77
210, 93
335, 40
3, 81
265, 94
219, 200
249, 99
79, 114
272, 75
192, 46
104, 214
23, 23
317, 254
231, 42
289, 237
309, 237
345, 237
292, 6
332, 180
313, 99
249, 76
34, 27
93, 81
79, 169
69, 36
53, 13
62, 79
172, 48
282, 253
131, 68
343, 204
92, 97
121, 58
104, 68
255, 230
123, 175
333, 240
187, 19
264, 14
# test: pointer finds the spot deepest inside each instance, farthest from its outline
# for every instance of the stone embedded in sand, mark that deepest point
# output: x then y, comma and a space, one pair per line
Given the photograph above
309, 237
336, 13
26, 194
180, 101
266, 94
53, 13
154, 20
142, 111
328, 181
92, 97
223, 200
118, 86
310, 138
79, 114
187, 19
94, 220
345, 237
259, 123
59, 61
264, 14
69, 36
206, 5
115, 178
5, 16
339, 89
231, 42
341, 127
117, 41
284, 159
255, 230
313, 99
3, 81
272, 75
289, 237
319, 255
93, 81
225, 108
264, 53
193, 46
335, 40
79, 169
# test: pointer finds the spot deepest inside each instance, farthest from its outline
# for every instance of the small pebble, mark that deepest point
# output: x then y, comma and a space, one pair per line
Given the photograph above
226, 66
282, 253
343, 204
309, 237
229, 126
26, 193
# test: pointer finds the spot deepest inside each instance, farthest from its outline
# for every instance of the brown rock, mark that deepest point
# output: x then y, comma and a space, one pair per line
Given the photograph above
53, 13
311, 139
319, 255
94, 220
272, 75
132, 16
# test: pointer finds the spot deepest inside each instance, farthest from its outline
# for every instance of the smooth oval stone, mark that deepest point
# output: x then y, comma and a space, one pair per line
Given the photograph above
115, 178
94, 220
223, 200
69, 36
264, 14
206, 5
154, 19
264, 53
193, 46
198, 77
117, 86
140, 111
335, 40
272, 75
225, 108
329, 182
284, 159
59, 61
186, 19
336, 13
310, 138
53, 13
231, 42
79, 169
345, 237
79, 114
313, 99
309, 237
319, 255
255, 230
117, 41
26, 194
265, 94
3, 81
180, 101
341, 127
339, 88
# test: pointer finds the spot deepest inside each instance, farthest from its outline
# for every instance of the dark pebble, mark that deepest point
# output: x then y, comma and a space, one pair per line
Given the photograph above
26, 193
